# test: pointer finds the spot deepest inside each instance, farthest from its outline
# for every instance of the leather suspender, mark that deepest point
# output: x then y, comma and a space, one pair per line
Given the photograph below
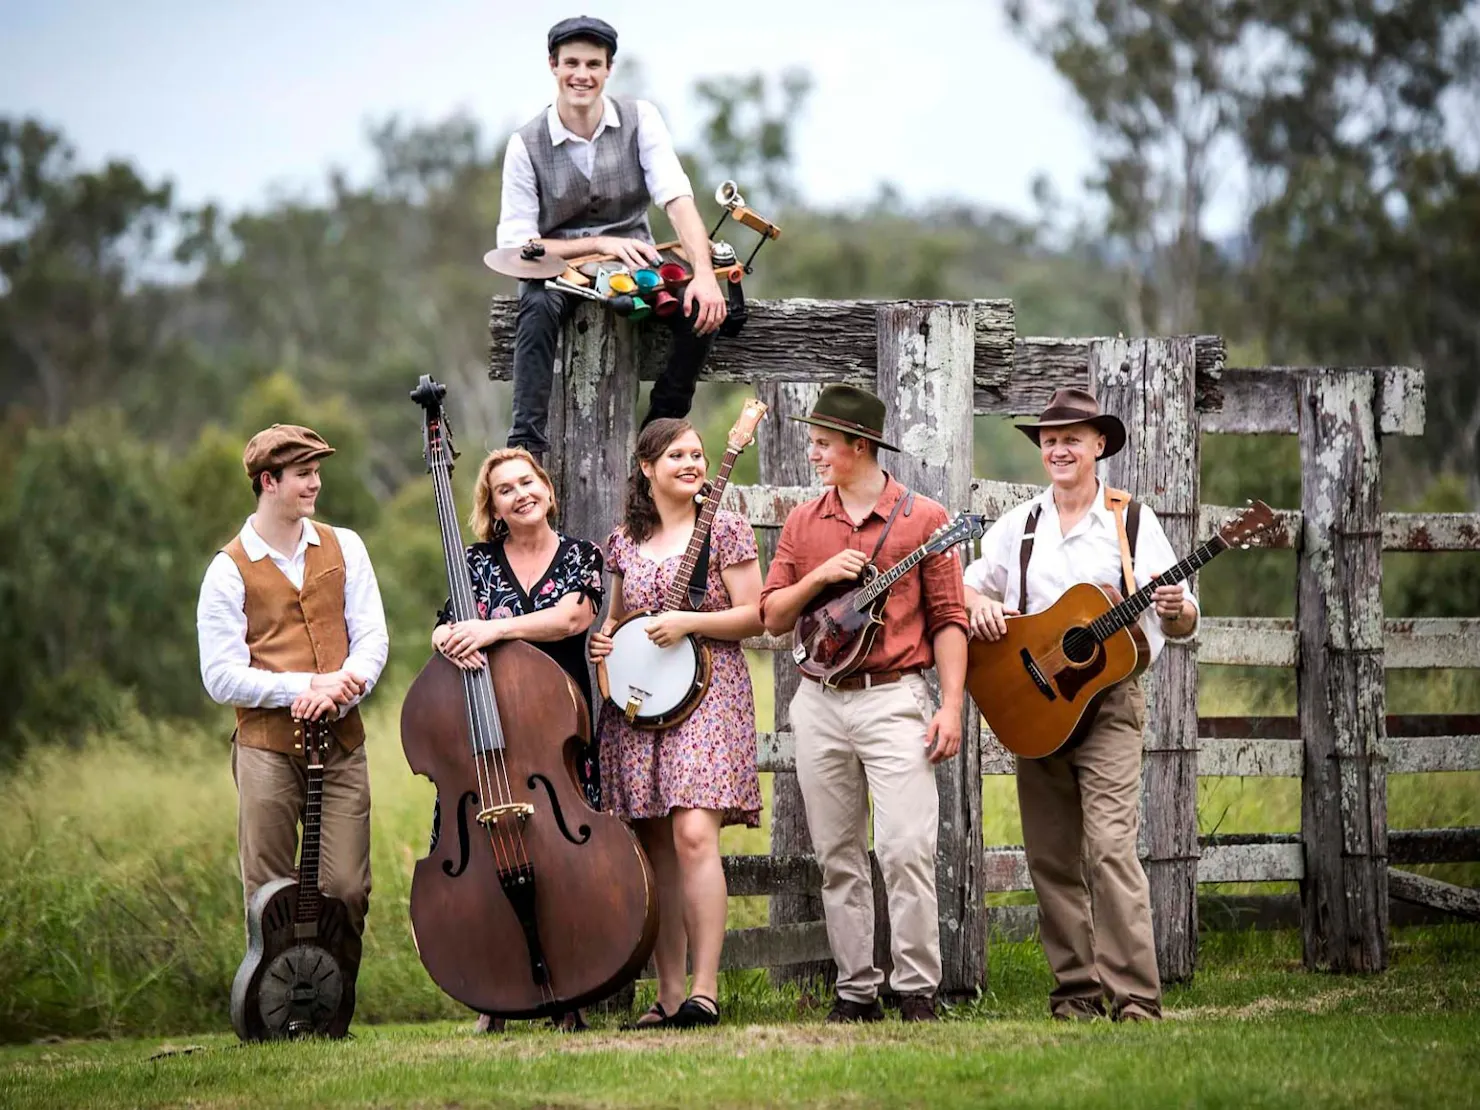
1027, 553
1127, 512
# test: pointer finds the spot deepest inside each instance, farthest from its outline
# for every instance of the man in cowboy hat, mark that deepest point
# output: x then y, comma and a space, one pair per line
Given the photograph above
1081, 806
291, 628
876, 733
579, 179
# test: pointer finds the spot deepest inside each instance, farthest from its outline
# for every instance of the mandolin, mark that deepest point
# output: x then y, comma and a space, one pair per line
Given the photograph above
834, 636
657, 687
303, 955
1041, 683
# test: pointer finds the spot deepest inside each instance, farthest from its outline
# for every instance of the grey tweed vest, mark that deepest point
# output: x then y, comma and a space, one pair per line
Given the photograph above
612, 201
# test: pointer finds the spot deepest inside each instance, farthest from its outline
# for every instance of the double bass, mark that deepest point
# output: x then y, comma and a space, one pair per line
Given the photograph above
529, 903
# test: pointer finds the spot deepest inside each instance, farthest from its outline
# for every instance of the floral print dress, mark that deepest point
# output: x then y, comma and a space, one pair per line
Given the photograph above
576, 568
708, 760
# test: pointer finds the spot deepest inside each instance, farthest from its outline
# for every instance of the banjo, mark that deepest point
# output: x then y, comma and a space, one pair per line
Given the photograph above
657, 687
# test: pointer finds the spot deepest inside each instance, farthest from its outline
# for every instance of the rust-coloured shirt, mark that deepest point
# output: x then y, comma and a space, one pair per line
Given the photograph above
920, 604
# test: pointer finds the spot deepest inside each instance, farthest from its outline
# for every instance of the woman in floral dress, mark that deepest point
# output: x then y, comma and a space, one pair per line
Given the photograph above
529, 583
679, 786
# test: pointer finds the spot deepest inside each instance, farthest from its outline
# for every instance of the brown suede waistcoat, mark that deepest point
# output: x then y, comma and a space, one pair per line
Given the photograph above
294, 630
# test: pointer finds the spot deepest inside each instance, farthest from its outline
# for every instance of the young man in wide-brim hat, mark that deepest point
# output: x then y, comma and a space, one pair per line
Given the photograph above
291, 628
1081, 805
876, 734
579, 179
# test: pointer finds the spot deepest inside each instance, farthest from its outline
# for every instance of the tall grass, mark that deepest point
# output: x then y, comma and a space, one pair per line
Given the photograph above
120, 902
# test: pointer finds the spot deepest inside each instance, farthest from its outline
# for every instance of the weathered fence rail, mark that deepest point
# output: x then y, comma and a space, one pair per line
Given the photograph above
936, 364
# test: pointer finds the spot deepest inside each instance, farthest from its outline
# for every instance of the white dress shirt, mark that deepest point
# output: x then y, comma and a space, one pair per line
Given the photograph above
221, 623
519, 212
1089, 553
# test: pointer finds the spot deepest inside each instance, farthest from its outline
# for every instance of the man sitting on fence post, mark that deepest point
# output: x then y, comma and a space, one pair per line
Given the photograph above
578, 178
1080, 806
876, 733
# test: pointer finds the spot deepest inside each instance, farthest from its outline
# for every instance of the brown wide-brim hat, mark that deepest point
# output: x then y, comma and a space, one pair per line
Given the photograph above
1077, 406
853, 411
283, 445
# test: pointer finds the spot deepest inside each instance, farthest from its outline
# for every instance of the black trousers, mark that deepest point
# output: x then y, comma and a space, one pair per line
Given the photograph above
541, 312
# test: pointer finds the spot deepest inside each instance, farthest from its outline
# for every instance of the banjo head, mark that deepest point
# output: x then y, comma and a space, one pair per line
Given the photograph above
659, 682
300, 992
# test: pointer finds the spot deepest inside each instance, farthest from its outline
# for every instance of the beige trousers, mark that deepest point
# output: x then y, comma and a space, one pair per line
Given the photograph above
1081, 812
852, 745
271, 788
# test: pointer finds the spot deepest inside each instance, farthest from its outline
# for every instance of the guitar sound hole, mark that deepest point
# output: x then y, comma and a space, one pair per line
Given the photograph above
1079, 645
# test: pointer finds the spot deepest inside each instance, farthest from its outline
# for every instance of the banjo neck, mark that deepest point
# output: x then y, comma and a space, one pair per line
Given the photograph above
677, 596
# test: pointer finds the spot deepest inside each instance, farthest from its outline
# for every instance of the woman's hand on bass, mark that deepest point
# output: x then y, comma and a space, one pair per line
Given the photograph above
463, 642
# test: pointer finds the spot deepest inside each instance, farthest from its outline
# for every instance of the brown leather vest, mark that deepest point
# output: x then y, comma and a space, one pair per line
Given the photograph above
294, 630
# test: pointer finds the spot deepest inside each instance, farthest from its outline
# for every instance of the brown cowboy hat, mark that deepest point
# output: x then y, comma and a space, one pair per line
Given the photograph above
1077, 406
853, 411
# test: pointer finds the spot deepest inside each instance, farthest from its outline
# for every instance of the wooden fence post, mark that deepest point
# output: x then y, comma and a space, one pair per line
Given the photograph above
1340, 676
783, 462
593, 420
925, 364
1150, 384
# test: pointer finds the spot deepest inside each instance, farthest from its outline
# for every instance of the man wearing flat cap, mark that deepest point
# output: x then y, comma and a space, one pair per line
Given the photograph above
874, 733
291, 628
1081, 805
578, 178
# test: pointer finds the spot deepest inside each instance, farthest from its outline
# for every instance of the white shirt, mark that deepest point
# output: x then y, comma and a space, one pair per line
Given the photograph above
1089, 553
221, 623
519, 212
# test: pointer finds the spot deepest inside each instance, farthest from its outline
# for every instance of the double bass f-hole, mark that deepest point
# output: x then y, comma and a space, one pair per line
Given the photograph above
462, 837
585, 830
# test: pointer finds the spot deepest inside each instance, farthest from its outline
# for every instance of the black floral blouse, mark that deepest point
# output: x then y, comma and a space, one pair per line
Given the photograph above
576, 568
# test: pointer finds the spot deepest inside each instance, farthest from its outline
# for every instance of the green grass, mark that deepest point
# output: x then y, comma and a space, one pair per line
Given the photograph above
1253, 1030
120, 905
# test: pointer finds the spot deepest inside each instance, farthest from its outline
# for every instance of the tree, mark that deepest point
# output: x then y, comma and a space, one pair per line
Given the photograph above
77, 319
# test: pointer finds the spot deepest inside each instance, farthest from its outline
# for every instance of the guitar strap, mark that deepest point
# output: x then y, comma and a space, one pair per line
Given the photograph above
907, 503
1127, 512
1026, 554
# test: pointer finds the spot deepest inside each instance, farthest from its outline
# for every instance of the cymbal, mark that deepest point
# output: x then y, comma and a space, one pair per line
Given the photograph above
511, 262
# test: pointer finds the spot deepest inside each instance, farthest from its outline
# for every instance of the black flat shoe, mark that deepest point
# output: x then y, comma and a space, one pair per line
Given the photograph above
694, 1013
661, 1018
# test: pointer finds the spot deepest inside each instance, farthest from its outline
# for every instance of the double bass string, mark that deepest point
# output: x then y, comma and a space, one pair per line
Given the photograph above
482, 713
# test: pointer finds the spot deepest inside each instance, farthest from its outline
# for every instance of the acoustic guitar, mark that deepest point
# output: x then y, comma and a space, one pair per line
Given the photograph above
834, 636
1040, 685
657, 687
303, 954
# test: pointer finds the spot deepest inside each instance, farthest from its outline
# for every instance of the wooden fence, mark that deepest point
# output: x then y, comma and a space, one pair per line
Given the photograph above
937, 364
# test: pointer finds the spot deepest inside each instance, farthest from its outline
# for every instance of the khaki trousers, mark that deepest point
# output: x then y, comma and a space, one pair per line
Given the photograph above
850, 745
271, 789
1081, 812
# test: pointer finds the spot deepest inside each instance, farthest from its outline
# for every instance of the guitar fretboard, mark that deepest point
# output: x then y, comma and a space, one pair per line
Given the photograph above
308, 857
1128, 611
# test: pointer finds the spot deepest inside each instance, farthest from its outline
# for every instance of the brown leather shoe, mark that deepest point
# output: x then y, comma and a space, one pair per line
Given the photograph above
1137, 1015
845, 1010
917, 1007
1079, 1009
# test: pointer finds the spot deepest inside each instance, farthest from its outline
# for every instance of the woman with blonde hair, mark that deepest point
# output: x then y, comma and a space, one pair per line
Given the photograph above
531, 583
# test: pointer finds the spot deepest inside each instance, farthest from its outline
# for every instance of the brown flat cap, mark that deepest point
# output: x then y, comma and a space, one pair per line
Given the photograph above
282, 445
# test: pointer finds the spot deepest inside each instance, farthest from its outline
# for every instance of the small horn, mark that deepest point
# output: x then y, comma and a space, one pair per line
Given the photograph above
728, 195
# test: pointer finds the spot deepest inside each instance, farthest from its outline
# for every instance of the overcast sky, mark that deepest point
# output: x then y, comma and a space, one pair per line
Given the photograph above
232, 99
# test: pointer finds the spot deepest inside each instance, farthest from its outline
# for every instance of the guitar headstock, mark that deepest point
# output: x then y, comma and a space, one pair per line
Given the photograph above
1253, 527
316, 741
742, 435
436, 441
959, 529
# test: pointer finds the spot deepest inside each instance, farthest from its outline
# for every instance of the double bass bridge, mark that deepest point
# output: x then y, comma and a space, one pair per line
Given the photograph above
517, 811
